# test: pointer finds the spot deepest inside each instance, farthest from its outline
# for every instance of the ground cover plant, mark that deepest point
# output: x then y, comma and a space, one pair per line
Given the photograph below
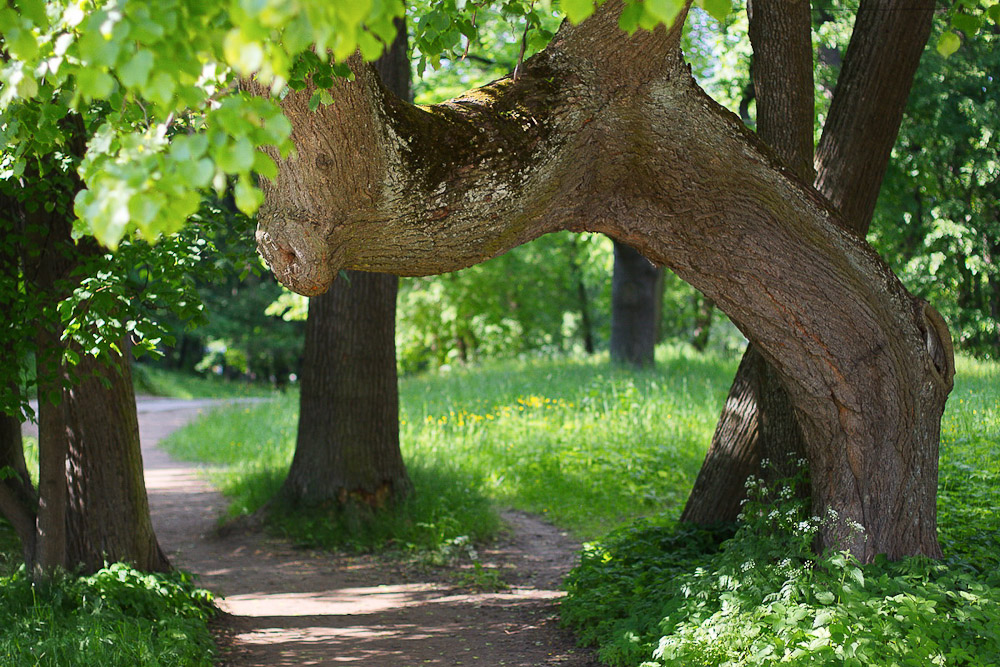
584, 444
117, 617
657, 594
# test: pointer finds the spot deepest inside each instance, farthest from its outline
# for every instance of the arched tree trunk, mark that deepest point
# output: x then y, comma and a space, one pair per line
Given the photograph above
347, 448
636, 300
758, 422
857, 140
609, 133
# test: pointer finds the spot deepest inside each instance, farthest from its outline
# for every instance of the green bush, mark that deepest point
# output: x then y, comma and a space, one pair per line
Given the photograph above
118, 616
763, 597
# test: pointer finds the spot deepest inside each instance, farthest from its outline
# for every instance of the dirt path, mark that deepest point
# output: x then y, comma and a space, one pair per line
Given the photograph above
291, 607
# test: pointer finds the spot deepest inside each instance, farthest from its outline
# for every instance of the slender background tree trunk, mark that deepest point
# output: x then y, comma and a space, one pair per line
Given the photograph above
636, 301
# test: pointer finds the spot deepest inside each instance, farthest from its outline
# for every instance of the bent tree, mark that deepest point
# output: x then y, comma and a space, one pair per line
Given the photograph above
607, 132
886, 44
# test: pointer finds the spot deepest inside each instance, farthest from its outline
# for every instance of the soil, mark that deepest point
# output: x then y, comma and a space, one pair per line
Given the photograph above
286, 606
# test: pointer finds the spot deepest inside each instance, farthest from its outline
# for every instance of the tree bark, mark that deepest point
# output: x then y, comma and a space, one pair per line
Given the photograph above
17, 495
758, 423
636, 297
107, 516
91, 500
347, 448
868, 105
857, 139
609, 133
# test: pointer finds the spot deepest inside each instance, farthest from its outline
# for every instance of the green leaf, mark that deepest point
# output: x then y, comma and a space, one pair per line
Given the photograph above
577, 10
970, 25
248, 198
245, 55
717, 9
825, 597
629, 20
135, 73
664, 11
948, 43
994, 13
161, 88
94, 84
33, 10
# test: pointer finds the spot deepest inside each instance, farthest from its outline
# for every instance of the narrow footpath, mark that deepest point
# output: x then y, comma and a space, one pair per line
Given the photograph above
291, 607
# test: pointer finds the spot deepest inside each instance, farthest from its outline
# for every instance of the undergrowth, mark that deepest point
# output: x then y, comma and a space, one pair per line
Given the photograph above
676, 596
118, 617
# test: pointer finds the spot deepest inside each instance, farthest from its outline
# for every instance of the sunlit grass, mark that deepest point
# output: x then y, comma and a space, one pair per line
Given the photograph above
969, 475
584, 444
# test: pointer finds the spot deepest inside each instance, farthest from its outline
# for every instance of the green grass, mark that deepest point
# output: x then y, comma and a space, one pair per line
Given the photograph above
586, 445
155, 381
116, 618
594, 448
657, 594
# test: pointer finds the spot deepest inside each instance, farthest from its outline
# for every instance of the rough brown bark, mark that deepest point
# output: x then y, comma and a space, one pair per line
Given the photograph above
107, 516
348, 435
91, 499
857, 139
868, 105
348, 446
606, 132
758, 422
636, 295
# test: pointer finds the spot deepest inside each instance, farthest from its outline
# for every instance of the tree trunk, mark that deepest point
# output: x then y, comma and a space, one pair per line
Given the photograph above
702, 322
758, 423
347, 447
91, 500
586, 322
348, 439
107, 512
609, 133
17, 495
636, 298
854, 151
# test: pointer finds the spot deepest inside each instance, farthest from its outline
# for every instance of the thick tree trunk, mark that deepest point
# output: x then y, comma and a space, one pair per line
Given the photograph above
636, 295
857, 140
91, 500
606, 132
347, 447
107, 511
757, 422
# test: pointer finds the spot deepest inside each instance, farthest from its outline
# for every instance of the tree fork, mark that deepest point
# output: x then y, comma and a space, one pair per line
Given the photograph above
609, 133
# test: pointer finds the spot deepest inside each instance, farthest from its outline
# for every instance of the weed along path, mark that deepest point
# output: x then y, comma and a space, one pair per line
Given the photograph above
290, 607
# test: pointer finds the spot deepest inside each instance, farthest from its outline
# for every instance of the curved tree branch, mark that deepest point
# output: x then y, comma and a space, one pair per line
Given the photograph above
609, 133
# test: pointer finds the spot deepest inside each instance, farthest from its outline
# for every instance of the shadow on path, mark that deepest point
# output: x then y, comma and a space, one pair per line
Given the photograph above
290, 606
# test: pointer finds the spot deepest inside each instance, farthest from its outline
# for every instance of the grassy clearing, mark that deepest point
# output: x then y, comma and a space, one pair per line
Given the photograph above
594, 448
586, 445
